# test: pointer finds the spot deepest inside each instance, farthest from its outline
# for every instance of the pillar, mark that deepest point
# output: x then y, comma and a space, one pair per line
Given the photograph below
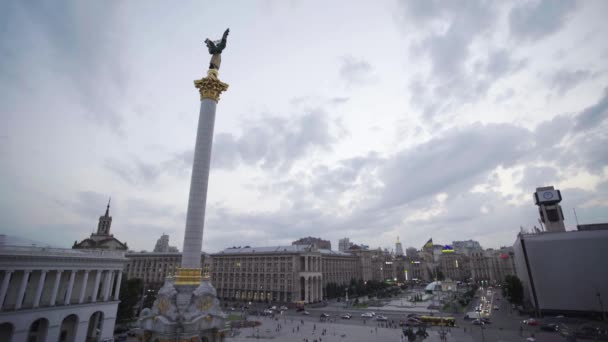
68, 294
210, 89
96, 287
306, 289
117, 291
39, 288
4, 288
305, 264
55, 287
83, 289
22, 286
106, 286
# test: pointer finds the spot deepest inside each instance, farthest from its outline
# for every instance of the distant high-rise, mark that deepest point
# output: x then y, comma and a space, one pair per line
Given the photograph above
466, 247
318, 242
398, 248
411, 252
162, 244
344, 244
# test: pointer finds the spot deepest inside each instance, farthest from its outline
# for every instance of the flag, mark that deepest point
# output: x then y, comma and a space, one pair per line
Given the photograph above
428, 244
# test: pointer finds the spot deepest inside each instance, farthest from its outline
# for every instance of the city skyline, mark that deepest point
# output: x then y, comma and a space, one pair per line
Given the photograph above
442, 128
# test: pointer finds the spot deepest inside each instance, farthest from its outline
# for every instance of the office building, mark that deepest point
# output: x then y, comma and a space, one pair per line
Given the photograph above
320, 243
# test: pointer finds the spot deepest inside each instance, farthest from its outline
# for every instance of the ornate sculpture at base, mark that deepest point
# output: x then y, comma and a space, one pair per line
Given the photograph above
184, 313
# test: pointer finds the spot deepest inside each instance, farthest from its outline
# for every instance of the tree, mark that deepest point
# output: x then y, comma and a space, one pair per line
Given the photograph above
440, 276
513, 289
130, 294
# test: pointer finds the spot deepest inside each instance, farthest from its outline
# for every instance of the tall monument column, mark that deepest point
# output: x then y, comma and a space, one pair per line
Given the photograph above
210, 89
186, 307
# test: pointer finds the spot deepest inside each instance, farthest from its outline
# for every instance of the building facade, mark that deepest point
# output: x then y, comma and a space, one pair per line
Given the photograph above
153, 267
564, 272
455, 266
54, 294
280, 274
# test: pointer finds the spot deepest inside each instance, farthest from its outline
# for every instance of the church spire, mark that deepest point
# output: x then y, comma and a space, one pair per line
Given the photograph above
108, 207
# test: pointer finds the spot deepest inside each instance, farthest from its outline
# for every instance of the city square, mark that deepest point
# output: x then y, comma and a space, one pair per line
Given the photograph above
402, 171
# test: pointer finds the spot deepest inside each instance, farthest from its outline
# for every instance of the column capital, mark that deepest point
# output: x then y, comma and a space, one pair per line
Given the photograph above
210, 87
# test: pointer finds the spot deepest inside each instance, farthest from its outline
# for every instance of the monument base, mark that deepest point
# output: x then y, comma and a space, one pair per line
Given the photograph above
184, 313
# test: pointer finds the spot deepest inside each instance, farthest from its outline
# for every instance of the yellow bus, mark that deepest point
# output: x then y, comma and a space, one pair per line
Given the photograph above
437, 320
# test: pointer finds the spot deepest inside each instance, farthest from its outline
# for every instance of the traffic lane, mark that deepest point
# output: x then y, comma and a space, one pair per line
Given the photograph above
356, 316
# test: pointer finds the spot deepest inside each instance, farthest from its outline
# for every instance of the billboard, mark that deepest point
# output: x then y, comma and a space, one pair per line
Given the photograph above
547, 197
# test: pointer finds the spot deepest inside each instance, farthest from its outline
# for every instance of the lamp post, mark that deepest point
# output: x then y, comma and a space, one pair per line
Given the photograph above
599, 298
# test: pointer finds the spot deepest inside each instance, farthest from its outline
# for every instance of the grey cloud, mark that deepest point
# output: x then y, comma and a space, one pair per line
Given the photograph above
88, 59
135, 172
564, 80
276, 142
88, 205
270, 143
458, 156
535, 176
535, 20
454, 78
593, 115
353, 70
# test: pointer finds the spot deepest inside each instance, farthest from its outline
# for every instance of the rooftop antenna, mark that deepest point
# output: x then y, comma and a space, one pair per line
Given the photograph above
575, 217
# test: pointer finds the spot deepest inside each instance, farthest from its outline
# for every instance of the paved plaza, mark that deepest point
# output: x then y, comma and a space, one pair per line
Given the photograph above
288, 329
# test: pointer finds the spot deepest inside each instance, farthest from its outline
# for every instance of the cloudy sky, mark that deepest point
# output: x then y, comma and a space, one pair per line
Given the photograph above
359, 119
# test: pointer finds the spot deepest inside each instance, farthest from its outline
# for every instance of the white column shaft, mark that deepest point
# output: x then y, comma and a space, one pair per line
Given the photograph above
4, 289
39, 288
96, 287
84, 287
21, 293
195, 218
117, 292
107, 286
55, 288
68, 294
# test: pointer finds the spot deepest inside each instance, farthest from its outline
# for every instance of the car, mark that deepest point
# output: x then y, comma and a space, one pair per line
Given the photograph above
367, 315
120, 337
381, 318
267, 312
531, 321
549, 327
496, 307
273, 308
324, 315
346, 316
477, 322
486, 320
412, 315
283, 308
305, 313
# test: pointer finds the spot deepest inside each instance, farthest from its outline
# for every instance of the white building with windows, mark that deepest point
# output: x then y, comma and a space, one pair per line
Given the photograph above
55, 294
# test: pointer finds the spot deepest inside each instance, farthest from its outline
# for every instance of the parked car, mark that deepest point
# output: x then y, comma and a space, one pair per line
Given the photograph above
412, 315
324, 315
496, 307
267, 312
531, 321
477, 322
346, 316
381, 318
283, 308
486, 320
549, 327
367, 315
120, 337
305, 313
